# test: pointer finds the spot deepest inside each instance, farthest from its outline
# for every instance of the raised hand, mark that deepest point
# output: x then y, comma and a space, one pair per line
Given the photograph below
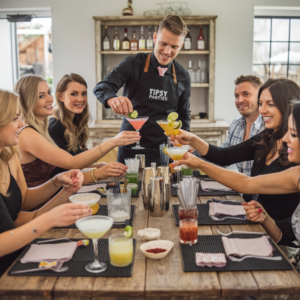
111, 169
183, 138
125, 138
255, 211
189, 160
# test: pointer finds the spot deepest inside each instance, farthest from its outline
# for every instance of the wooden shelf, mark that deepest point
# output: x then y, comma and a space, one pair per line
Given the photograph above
199, 84
148, 51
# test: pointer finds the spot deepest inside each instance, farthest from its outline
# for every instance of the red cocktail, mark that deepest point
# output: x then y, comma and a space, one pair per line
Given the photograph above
188, 231
137, 124
191, 213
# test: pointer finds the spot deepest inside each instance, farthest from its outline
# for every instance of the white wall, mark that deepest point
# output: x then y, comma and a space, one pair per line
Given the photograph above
73, 38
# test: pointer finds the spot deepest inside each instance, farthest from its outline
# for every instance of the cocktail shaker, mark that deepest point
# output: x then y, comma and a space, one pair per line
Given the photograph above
141, 157
147, 174
164, 172
156, 197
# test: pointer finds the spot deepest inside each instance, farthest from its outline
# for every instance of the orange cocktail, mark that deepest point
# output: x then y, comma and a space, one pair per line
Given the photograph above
167, 127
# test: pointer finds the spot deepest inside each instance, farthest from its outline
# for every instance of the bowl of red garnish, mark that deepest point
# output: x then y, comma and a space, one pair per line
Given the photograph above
157, 249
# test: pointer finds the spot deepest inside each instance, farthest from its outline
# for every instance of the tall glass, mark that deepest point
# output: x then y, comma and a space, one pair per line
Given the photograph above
137, 124
94, 227
120, 250
188, 230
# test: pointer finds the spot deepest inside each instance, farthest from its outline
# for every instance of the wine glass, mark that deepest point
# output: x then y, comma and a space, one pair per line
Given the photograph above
137, 124
202, 65
161, 11
186, 10
94, 227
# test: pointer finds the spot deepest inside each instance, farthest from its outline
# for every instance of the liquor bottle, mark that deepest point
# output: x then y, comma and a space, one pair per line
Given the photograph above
200, 41
128, 11
133, 42
142, 41
149, 41
187, 42
106, 42
116, 40
198, 73
125, 41
191, 72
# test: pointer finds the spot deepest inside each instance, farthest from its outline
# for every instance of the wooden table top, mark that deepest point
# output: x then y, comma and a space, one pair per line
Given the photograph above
163, 278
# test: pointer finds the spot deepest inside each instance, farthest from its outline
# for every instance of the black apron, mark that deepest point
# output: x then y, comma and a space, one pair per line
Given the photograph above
155, 97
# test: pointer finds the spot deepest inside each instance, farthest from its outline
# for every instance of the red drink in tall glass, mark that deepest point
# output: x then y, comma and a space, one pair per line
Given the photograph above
188, 229
191, 213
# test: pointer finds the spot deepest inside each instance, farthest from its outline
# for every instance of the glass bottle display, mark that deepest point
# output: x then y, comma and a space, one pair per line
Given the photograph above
187, 42
125, 41
142, 41
198, 73
133, 42
106, 42
192, 72
149, 42
128, 11
116, 40
200, 40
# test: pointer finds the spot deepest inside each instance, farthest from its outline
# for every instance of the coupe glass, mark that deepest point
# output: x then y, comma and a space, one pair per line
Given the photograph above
186, 10
161, 11
94, 227
137, 124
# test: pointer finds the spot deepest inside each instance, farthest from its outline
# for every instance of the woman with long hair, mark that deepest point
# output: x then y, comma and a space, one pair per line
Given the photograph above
17, 226
282, 231
40, 155
265, 149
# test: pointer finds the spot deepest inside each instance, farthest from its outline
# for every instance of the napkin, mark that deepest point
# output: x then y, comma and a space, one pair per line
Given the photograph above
93, 187
210, 259
226, 209
50, 252
208, 186
247, 247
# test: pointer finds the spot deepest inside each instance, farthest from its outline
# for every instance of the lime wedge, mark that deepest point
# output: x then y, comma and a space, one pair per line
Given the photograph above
128, 231
178, 126
172, 117
133, 115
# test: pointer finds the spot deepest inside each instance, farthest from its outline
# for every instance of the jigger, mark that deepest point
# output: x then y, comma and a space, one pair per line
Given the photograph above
156, 197
141, 157
147, 174
164, 172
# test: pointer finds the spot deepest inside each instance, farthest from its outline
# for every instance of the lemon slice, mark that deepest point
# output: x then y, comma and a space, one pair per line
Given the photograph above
128, 231
165, 151
178, 125
133, 115
95, 208
172, 117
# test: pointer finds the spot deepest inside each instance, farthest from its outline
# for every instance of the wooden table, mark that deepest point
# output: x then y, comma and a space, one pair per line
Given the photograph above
159, 279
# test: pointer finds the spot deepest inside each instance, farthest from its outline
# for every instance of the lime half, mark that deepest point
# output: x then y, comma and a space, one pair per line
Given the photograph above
172, 117
128, 231
133, 115
178, 125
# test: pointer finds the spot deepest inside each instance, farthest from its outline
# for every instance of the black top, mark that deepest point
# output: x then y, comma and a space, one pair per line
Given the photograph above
128, 73
279, 207
288, 235
10, 206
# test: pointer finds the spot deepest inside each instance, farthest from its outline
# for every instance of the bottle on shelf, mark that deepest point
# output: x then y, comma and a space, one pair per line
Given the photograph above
128, 11
187, 42
200, 40
198, 73
149, 42
133, 42
116, 40
142, 41
125, 41
106, 42
192, 72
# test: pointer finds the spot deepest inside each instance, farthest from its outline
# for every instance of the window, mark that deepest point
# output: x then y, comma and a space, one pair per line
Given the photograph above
276, 47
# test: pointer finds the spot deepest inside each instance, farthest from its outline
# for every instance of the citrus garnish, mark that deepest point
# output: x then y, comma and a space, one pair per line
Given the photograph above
172, 117
95, 208
128, 231
178, 126
133, 115
165, 151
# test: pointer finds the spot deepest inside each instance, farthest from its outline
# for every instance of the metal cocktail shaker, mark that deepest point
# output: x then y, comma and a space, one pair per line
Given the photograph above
141, 157
156, 196
147, 174
164, 172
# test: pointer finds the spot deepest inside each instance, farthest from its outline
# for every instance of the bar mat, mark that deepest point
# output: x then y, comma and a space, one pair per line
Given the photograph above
82, 256
204, 218
213, 244
112, 186
103, 212
203, 193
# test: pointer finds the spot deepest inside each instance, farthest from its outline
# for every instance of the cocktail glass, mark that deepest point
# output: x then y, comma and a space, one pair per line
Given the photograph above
120, 250
169, 130
94, 227
188, 230
137, 124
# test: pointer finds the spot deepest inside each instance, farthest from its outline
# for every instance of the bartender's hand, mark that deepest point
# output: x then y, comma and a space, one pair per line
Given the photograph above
183, 138
120, 105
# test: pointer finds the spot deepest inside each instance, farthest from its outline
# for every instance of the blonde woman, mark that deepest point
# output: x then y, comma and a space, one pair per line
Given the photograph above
40, 155
18, 228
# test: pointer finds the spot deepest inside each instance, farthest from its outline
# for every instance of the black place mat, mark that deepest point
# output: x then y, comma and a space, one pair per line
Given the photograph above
213, 244
204, 218
203, 193
103, 212
82, 256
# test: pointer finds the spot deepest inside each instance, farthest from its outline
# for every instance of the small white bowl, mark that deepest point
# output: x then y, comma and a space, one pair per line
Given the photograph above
79, 198
164, 244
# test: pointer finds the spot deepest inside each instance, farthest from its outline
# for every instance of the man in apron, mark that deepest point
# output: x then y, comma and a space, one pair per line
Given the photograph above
154, 85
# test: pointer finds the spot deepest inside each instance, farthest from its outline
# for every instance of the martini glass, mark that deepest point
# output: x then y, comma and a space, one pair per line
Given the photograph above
176, 153
137, 124
94, 227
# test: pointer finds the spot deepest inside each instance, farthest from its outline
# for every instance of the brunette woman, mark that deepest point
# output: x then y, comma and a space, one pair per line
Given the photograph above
18, 228
265, 148
40, 155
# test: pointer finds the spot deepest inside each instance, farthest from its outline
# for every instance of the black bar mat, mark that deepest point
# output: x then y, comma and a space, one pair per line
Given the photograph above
103, 212
213, 244
204, 218
82, 256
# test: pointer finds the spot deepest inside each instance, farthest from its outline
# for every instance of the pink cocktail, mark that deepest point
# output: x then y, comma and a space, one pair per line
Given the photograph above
137, 124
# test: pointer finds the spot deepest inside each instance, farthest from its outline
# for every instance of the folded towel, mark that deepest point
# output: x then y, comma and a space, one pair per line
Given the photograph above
210, 259
50, 252
247, 247
209, 186
92, 187
226, 209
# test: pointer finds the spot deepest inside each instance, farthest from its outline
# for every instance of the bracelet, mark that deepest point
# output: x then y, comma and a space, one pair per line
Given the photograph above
33, 230
93, 176
101, 150
54, 183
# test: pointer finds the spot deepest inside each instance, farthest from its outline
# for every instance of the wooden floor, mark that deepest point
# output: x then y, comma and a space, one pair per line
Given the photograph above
157, 279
